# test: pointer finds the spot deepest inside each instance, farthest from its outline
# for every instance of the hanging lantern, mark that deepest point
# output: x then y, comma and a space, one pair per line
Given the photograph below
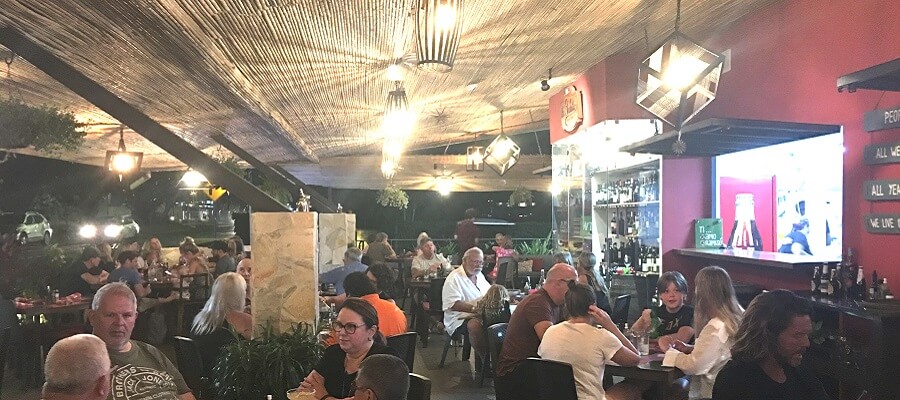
475, 158
444, 184
438, 25
123, 162
390, 158
398, 120
502, 153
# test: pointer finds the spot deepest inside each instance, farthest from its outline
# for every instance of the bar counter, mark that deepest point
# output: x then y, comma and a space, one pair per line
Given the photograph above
762, 258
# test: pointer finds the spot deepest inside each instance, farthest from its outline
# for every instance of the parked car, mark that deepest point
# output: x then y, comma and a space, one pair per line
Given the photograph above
110, 228
27, 227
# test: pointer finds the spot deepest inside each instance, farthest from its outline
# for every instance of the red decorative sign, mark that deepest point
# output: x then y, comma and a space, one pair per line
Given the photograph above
572, 110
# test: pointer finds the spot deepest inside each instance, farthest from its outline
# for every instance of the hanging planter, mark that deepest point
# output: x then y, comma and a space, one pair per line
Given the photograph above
392, 196
521, 197
46, 128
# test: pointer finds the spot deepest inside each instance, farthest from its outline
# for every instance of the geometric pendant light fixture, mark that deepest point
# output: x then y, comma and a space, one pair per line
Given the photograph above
503, 152
679, 78
123, 162
475, 157
438, 24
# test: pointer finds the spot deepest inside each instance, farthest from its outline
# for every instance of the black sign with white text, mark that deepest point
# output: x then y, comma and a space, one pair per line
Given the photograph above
882, 190
882, 223
880, 120
882, 153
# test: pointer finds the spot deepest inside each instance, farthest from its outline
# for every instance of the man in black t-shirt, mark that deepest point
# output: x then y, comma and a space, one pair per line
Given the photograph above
767, 353
78, 277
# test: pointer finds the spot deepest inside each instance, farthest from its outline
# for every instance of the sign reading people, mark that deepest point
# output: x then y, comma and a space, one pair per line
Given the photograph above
880, 120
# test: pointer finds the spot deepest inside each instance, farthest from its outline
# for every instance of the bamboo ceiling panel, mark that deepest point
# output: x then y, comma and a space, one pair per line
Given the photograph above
303, 80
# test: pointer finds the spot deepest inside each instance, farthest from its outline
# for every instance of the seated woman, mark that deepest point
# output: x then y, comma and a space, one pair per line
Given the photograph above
358, 338
504, 251
717, 315
589, 275
578, 342
222, 313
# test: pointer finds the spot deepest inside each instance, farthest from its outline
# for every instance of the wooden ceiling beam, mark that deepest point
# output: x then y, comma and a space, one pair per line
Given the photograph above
137, 120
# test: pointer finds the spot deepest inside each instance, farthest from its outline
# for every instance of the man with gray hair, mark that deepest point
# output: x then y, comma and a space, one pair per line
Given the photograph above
77, 368
463, 287
140, 371
352, 263
381, 377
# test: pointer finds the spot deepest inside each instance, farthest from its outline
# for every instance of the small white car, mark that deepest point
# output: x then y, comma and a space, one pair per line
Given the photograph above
113, 228
28, 227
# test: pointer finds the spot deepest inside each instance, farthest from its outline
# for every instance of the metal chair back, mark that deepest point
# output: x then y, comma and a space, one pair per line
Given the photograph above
620, 309
419, 387
405, 346
190, 364
550, 380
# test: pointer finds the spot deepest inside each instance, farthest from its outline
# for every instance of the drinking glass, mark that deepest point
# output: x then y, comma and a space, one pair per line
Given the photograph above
301, 394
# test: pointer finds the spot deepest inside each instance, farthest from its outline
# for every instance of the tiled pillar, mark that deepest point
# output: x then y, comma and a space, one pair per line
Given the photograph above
285, 269
336, 232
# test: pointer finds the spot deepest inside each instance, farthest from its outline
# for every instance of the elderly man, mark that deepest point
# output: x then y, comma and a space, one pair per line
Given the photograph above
77, 368
463, 287
537, 312
140, 371
381, 377
428, 261
352, 263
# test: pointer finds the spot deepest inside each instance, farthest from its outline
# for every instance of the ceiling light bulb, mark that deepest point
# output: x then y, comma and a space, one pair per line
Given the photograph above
123, 162
394, 73
193, 178
682, 72
545, 86
445, 17
444, 185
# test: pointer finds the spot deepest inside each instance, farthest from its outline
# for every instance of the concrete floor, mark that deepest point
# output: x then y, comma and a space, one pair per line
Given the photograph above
455, 381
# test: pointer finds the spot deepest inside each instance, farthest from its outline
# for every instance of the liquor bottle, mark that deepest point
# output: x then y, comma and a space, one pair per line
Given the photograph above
860, 284
888, 295
824, 280
814, 283
875, 290
836, 281
613, 223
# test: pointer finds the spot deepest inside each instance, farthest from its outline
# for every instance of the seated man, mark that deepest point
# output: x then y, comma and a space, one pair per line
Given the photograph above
537, 312
77, 367
462, 289
336, 276
78, 277
224, 261
128, 273
139, 369
381, 377
391, 320
428, 260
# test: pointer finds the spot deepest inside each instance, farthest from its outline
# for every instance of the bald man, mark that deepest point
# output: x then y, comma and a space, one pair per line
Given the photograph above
537, 312
77, 368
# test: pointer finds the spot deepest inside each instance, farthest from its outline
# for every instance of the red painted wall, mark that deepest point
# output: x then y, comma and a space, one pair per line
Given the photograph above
786, 59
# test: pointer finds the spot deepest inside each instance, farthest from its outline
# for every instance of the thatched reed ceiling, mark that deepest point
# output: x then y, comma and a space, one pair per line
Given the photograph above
303, 80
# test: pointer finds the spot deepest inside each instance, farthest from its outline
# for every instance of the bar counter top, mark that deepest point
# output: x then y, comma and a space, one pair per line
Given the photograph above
764, 258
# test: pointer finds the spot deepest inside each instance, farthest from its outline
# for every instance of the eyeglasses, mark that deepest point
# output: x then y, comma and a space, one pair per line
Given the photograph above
349, 327
354, 387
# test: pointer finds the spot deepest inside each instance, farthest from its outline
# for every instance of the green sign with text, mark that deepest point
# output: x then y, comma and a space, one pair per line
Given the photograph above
708, 233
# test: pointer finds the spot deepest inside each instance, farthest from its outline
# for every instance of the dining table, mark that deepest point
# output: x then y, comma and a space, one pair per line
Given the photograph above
650, 368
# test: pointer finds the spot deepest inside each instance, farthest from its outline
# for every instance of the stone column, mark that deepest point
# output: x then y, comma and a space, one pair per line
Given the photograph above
285, 269
336, 232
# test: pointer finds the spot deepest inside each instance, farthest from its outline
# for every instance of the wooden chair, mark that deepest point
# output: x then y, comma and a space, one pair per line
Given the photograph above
405, 346
198, 285
190, 364
419, 387
550, 380
620, 309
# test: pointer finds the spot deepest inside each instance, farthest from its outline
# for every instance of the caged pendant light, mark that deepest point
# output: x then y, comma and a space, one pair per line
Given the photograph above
503, 152
438, 25
121, 161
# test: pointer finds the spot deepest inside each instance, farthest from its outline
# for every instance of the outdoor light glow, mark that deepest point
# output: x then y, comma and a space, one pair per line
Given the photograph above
555, 188
682, 72
123, 162
444, 185
391, 151
394, 73
112, 231
87, 231
193, 179
389, 169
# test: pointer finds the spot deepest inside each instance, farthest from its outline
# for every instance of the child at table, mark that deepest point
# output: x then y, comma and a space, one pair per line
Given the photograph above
492, 306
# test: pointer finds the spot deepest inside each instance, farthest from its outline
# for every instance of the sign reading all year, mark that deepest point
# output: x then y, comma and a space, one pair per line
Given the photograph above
882, 190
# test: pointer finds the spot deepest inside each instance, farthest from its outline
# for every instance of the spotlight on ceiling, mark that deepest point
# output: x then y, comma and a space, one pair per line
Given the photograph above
545, 83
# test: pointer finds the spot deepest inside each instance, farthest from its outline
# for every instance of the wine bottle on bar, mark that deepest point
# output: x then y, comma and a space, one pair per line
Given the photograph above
814, 283
860, 284
824, 280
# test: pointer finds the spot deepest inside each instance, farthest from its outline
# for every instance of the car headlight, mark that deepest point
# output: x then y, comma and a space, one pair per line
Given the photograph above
112, 231
87, 231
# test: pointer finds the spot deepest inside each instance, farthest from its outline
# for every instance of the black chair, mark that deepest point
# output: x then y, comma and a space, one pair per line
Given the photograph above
419, 387
405, 346
550, 380
620, 309
187, 354
505, 265
603, 301
4, 344
495, 335
435, 308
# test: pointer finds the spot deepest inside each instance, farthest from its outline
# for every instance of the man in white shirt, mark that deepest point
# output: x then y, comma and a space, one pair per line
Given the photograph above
428, 261
463, 287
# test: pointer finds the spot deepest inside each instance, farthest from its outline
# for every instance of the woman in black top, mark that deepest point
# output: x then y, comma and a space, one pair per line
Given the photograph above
768, 350
358, 337
221, 316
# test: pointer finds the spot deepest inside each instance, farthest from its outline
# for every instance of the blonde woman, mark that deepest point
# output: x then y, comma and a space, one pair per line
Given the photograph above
717, 316
223, 312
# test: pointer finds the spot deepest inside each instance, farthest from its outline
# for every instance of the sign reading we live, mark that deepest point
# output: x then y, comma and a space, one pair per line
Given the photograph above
882, 223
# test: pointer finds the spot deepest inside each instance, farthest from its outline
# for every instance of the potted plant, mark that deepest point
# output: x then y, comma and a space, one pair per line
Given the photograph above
45, 128
269, 364
393, 196
536, 250
521, 197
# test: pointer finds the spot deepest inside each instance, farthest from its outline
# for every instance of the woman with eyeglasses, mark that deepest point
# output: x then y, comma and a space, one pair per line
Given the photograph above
358, 337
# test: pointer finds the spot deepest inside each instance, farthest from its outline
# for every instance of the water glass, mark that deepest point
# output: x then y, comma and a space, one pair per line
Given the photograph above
301, 394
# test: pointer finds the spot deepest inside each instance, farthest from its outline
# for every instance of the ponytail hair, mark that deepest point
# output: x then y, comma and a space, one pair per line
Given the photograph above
579, 298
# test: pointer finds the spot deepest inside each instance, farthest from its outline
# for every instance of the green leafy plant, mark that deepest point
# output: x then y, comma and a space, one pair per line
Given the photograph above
521, 197
448, 249
269, 364
393, 196
46, 128
536, 247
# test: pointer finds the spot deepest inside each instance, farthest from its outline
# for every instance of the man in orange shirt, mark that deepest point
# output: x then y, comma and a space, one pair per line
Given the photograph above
391, 320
